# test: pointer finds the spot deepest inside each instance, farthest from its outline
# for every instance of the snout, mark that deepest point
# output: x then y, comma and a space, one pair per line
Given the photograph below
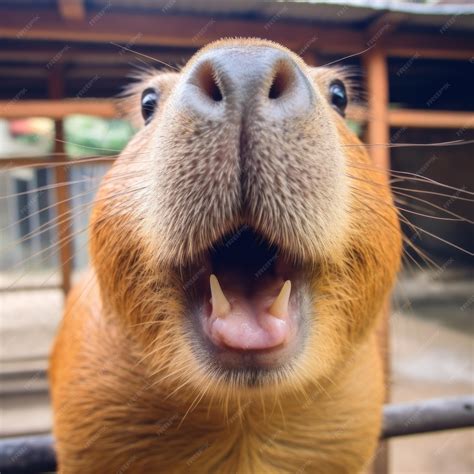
232, 83
247, 138
249, 196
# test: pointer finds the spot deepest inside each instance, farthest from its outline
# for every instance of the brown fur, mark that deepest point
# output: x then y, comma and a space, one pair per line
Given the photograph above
129, 393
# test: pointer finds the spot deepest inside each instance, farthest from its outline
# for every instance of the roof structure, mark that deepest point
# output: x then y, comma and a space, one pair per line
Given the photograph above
431, 15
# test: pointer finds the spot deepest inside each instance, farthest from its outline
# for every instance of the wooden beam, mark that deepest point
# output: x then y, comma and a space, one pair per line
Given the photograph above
168, 30
381, 461
63, 203
195, 31
29, 72
106, 108
430, 119
378, 131
383, 27
57, 109
413, 118
408, 51
46, 161
375, 65
103, 54
41, 287
86, 73
431, 46
72, 9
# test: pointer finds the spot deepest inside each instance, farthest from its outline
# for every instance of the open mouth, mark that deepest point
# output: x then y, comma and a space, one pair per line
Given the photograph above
247, 303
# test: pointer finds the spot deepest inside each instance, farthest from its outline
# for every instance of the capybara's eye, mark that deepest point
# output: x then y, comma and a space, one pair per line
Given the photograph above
338, 96
149, 101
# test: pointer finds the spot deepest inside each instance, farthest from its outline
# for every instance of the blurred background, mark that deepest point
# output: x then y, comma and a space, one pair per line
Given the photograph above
62, 62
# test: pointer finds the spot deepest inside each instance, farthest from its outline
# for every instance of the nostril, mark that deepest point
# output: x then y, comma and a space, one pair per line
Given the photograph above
207, 81
282, 79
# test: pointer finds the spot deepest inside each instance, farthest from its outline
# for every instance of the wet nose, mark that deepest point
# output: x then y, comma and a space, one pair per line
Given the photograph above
235, 81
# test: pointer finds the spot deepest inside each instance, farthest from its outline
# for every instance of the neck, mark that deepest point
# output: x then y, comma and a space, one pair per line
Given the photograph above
276, 434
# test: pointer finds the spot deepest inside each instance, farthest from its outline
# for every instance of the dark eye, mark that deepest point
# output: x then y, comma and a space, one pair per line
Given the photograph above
149, 101
338, 96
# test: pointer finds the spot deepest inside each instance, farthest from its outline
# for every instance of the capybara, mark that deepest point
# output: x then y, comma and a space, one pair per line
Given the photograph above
242, 247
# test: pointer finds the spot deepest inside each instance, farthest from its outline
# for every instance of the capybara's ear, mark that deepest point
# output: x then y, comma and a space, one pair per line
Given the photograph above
142, 100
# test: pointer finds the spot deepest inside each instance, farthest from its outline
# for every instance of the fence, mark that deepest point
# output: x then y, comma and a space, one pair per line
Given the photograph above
36, 453
29, 232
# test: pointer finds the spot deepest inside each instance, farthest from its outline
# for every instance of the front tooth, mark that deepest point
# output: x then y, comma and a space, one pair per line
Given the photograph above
279, 307
220, 305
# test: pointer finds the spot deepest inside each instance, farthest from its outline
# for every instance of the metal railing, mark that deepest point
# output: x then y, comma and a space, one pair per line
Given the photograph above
31, 454
30, 234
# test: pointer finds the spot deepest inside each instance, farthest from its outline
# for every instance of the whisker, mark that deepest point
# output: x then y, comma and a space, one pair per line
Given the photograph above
90, 179
53, 222
43, 209
431, 216
71, 162
349, 56
49, 187
403, 219
198, 398
434, 193
408, 145
411, 176
442, 209
87, 147
403, 188
438, 238
69, 259
414, 206
63, 241
144, 55
457, 217
397, 193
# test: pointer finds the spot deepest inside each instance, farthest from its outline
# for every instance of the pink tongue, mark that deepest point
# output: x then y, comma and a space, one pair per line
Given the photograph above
249, 326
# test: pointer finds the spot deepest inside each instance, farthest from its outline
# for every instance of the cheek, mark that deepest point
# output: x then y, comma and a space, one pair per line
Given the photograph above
349, 294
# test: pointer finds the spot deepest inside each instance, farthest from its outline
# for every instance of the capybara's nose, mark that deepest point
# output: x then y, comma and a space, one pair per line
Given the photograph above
231, 82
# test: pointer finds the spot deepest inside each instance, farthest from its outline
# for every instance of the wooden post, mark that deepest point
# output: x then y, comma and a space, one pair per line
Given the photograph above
375, 65
378, 133
72, 10
63, 207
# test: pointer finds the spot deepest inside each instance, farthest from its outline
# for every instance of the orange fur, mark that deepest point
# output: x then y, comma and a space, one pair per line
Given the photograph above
129, 394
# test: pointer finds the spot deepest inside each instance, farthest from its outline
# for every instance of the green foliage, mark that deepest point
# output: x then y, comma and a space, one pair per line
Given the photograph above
86, 135
355, 127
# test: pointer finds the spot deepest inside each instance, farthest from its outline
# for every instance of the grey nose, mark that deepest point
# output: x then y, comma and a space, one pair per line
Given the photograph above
232, 80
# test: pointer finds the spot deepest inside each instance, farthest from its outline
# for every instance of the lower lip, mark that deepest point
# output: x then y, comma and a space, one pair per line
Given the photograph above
268, 358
